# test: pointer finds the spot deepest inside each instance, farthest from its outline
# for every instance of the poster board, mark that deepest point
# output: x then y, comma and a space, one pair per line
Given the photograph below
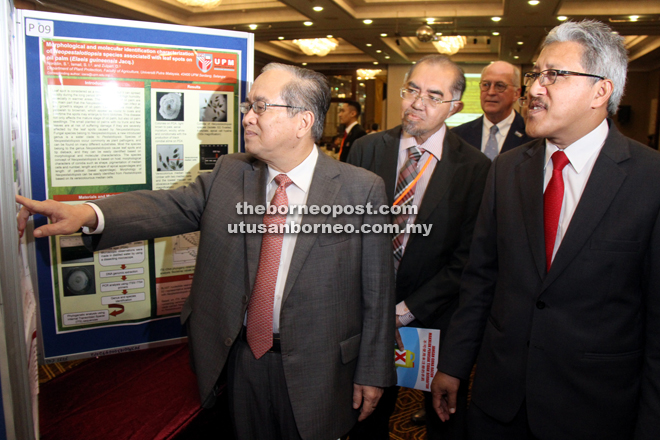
114, 106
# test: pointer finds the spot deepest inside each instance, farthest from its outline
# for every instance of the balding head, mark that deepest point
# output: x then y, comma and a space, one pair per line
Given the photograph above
497, 105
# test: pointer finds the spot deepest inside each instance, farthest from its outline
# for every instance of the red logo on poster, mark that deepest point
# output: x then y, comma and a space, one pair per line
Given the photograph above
204, 61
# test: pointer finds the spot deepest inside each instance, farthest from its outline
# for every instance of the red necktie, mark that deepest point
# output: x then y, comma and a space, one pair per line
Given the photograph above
260, 308
405, 182
342, 143
552, 201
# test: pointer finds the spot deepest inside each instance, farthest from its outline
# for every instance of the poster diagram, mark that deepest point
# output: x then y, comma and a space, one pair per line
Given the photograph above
116, 106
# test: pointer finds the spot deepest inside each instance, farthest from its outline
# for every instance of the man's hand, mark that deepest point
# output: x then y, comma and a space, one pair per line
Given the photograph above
64, 219
366, 396
444, 388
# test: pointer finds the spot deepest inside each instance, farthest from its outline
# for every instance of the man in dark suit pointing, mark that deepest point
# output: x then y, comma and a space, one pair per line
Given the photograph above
304, 321
560, 300
501, 128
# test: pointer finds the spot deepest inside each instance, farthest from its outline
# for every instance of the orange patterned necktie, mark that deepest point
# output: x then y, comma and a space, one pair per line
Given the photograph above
260, 308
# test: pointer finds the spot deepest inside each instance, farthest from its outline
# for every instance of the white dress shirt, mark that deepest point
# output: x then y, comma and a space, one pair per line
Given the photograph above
503, 129
582, 155
433, 150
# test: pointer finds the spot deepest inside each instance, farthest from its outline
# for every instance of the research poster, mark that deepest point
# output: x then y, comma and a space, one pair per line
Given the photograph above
117, 106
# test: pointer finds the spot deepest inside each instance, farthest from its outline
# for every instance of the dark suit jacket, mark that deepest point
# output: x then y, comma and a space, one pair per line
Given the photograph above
356, 133
431, 267
472, 132
337, 317
579, 345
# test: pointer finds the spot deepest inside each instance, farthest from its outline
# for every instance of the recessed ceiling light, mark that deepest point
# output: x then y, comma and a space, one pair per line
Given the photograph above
369, 44
496, 18
515, 57
496, 33
383, 35
304, 64
280, 38
308, 23
634, 17
367, 21
520, 43
318, 8
562, 18
328, 36
387, 57
252, 26
378, 51
430, 20
533, 2
375, 62
361, 84
438, 33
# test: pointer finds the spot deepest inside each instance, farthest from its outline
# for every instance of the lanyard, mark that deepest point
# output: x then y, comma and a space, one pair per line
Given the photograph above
414, 182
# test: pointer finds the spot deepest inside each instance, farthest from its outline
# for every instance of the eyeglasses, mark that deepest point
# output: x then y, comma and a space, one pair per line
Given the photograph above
260, 107
548, 77
412, 95
500, 87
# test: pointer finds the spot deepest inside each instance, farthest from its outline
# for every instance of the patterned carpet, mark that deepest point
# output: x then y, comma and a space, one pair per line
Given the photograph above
401, 427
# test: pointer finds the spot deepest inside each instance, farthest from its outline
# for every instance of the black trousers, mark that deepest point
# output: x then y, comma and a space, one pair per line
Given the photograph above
481, 426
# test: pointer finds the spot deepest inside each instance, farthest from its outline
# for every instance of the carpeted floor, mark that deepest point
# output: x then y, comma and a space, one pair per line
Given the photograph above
125, 397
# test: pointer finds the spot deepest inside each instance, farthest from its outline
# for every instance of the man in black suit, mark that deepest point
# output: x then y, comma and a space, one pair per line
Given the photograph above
501, 128
349, 113
560, 300
447, 196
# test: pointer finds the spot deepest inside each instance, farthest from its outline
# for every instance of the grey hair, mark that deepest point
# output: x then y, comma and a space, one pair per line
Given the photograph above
603, 53
515, 78
457, 88
308, 91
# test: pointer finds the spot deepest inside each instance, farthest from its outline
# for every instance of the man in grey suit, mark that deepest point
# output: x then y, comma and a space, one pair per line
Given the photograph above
325, 299
501, 128
560, 299
447, 195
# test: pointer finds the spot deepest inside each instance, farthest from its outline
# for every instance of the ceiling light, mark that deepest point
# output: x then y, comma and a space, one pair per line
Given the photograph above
369, 44
533, 2
375, 62
304, 64
634, 17
318, 8
378, 51
383, 35
387, 57
562, 18
368, 74
280, 38
328, 36
450, 45
316, 46
520, 43
202, 3
496, 18
515, 57
430, 20
252, 26
367, 21
308, 23
496, 33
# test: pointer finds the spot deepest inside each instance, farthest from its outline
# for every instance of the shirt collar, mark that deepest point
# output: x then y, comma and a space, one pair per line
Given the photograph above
350, 127
301, 176
503, 125
433, 144
580, 151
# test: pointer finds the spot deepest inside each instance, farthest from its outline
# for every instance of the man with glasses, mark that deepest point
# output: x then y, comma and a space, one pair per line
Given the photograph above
560, 300
303, 321
501, 128
427, 167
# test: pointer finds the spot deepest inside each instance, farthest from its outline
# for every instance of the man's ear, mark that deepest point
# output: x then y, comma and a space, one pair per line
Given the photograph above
305, 123
458, 106
603, 89
517, 94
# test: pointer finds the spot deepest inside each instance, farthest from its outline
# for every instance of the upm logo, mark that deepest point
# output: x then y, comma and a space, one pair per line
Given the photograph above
204, 61
224, 62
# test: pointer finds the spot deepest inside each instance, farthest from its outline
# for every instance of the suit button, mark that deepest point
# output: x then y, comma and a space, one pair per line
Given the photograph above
245, 299
228, 342
540, 304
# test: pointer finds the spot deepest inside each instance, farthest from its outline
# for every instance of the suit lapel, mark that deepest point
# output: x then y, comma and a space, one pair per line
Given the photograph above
254, 193
517, 126
323, 191
604, 182
529, 175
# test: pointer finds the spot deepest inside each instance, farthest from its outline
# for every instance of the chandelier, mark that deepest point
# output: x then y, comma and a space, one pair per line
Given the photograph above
317, 46
367, 74
450, 45
203, 3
